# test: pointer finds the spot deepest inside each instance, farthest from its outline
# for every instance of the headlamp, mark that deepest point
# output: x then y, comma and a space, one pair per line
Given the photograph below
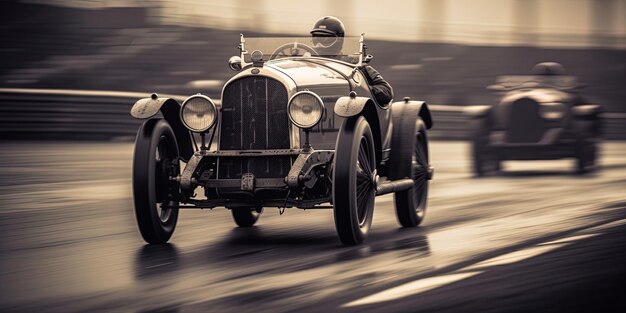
305, 109
198, 113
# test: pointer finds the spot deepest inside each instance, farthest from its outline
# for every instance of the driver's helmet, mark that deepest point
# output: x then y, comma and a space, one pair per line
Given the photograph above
548, 68
328, 35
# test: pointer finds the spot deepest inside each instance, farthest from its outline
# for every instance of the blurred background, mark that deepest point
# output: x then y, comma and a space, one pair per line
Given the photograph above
444, 52
533, 238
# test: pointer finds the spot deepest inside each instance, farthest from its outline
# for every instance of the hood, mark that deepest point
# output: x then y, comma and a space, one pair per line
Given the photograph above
324, 77
541, 95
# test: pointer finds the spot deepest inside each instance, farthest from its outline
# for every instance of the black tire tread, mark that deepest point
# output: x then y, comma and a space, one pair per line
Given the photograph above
151, 232
245, 217
346, 217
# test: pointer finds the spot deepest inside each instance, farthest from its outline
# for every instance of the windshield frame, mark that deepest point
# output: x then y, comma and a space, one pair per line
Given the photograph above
250, 55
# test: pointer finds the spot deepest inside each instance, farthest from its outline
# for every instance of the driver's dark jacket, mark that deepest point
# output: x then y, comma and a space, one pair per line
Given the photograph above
380, 87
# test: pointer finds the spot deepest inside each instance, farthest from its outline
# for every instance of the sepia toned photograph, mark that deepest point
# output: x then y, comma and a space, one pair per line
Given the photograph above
173, 156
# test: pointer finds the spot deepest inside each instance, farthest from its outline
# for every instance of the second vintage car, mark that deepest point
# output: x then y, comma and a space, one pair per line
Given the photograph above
295, 129
539, 117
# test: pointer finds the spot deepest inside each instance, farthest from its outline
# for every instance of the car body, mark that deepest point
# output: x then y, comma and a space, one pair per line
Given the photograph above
295, 129
538, 117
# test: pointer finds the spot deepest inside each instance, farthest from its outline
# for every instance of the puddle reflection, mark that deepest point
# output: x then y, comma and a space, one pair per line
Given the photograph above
155, 260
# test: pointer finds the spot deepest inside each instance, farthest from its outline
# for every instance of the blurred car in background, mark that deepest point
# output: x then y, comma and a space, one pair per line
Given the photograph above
257, 149
539, 117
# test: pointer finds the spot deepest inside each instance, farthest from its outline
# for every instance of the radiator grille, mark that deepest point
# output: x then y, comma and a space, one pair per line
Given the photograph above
254, 116
525, 125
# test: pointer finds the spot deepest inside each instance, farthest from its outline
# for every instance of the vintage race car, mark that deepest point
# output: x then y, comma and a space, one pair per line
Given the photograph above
295, 129
539, 117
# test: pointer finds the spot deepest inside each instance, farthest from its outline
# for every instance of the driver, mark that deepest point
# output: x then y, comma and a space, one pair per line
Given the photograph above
328, 33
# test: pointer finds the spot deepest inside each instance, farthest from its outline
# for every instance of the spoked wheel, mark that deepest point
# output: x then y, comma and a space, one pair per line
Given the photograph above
411, 203
353, 181
156, 197
246, 217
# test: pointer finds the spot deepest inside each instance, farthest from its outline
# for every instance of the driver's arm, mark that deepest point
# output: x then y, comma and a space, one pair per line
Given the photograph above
380, 87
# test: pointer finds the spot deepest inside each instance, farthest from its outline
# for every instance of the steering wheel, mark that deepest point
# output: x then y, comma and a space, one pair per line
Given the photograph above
292, 49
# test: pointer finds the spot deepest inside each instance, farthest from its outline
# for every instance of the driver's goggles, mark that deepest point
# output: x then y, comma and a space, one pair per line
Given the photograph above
324, 40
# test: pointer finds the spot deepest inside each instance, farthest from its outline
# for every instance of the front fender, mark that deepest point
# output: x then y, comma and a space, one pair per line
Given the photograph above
589, 111
587, 119
351, 105
149, 107
169, 108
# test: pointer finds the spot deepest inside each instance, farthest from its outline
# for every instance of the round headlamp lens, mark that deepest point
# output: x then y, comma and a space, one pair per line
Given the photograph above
198, 113
305, 109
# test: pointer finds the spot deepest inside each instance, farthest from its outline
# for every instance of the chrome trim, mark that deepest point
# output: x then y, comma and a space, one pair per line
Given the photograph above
249, 153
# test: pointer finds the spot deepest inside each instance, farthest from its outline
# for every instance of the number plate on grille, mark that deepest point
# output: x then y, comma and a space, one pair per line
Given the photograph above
247, 181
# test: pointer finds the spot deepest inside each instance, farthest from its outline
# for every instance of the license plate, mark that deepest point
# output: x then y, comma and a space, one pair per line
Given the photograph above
247, 182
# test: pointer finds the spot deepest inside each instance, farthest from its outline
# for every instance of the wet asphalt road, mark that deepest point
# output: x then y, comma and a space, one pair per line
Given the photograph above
536, 237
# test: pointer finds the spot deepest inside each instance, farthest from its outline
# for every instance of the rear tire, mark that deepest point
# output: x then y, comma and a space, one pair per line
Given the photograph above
411, 204
246, 217
353, 181
156, 159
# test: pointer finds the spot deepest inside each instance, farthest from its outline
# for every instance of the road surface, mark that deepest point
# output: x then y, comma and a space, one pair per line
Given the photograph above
535, 237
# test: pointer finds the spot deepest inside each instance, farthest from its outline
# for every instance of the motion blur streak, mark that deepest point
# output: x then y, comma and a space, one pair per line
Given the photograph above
515, 256
411, 288
69, 252
547, 240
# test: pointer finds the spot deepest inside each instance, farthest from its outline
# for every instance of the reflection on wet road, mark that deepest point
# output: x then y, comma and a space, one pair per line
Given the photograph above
69, 242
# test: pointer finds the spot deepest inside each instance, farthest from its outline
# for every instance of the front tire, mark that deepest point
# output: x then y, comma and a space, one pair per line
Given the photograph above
156, 159
586, 158
353, 181
246, 217
484, 161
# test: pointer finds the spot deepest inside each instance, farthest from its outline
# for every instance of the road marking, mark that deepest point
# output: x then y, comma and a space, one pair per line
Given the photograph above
515, 256
606, 226
411, 288
567, 239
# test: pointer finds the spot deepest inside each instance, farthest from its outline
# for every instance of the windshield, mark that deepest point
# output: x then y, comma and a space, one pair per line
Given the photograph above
341, 48
534, 81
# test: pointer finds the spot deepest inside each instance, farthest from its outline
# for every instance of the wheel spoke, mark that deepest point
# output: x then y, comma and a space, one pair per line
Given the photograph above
364, 159
419, 174
421, 154
166, 193
363, 188
361, 194
361, 174
362, 200
420, 184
